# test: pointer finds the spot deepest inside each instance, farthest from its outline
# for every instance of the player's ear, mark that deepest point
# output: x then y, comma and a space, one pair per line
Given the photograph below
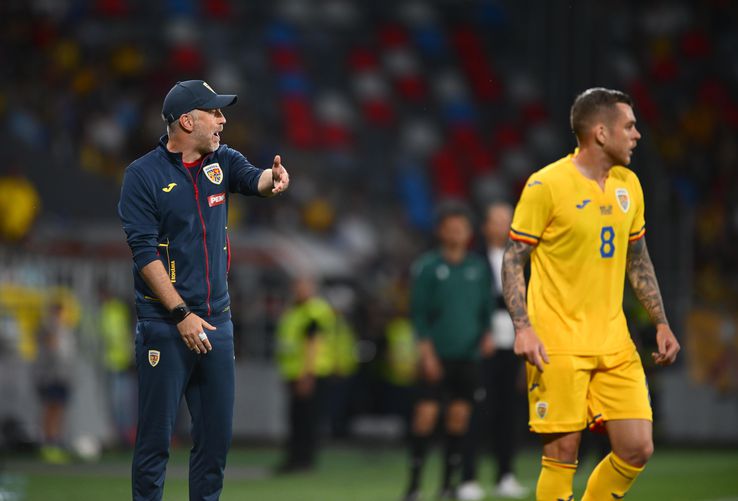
600, 134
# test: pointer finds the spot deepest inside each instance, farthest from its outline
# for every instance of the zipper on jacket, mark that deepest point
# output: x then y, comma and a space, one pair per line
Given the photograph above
228, 251
204, 231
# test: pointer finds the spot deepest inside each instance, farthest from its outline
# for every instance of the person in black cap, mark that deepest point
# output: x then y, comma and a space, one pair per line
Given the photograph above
173, 206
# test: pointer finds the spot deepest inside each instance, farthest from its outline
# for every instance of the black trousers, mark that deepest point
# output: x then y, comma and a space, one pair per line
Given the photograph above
496, 419
305, 416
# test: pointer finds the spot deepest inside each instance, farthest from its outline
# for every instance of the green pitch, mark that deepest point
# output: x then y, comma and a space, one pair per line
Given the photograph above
351, 474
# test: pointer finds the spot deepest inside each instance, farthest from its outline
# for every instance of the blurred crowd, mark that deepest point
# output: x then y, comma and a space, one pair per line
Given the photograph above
380, 110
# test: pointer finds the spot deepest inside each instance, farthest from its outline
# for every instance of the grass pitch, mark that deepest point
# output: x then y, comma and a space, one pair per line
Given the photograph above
353, 474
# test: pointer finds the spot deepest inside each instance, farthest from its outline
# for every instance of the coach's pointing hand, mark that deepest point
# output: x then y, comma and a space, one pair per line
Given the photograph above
280, 177
190, 329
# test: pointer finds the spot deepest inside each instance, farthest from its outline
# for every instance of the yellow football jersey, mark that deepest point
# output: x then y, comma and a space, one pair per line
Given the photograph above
581, 235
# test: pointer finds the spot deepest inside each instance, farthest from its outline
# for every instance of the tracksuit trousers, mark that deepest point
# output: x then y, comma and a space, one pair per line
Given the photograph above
167, 370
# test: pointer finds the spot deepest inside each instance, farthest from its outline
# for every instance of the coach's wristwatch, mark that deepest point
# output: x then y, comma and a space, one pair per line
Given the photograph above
180, 312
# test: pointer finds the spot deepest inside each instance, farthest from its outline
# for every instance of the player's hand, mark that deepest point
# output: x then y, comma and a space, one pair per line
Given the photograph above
487, 346
280, 177
192, 330
528, 345
305, 385
667, 344
431, 368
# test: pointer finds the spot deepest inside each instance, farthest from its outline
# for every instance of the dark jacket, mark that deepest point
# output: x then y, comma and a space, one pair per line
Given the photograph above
183, 222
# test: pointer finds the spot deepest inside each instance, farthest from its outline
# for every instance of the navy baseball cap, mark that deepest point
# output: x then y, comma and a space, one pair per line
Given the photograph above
190, 95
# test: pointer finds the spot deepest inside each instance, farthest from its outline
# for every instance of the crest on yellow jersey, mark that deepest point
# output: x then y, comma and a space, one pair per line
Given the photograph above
623, 199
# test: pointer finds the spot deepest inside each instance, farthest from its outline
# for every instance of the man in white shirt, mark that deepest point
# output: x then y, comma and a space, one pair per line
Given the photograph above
501, 369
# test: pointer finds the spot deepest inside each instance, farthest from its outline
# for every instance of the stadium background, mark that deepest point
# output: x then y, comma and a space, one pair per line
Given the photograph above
380, 110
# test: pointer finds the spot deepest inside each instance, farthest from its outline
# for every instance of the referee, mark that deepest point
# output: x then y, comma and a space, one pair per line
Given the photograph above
450, 308
173, 206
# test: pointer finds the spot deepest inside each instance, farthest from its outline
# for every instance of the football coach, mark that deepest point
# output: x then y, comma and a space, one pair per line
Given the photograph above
173, 206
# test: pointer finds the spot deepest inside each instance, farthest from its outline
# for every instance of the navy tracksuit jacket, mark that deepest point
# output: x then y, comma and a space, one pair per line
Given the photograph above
182, 221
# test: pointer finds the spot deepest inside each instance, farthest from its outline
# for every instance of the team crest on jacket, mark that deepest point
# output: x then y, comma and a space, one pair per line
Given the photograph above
214, 173
154, 356
542, 409
623, 199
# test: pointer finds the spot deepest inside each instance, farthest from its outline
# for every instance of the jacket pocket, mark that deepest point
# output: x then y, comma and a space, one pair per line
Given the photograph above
167, 259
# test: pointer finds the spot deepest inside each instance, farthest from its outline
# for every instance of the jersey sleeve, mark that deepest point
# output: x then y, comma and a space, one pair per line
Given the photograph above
638, 226
138, 212
532, 213
243, 177
420, 298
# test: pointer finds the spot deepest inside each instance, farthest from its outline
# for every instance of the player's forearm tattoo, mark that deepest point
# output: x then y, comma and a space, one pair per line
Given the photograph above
513, 281
643, 281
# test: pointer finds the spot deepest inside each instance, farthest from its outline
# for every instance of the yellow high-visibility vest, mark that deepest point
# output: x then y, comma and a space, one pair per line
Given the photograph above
292, 338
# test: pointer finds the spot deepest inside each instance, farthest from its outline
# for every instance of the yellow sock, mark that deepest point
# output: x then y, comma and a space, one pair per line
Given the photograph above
555, 480
610, 479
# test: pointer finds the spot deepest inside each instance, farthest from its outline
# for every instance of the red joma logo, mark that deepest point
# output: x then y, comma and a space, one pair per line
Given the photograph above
216, 199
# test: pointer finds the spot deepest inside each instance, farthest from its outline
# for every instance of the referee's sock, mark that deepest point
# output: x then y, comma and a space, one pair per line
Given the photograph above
452, 459
610, 479
418, 451
555, 480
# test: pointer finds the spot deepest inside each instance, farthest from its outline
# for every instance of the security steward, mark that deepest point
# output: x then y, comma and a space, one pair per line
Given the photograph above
305, 338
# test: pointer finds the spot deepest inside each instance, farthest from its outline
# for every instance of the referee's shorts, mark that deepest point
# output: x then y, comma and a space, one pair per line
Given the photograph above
461, 380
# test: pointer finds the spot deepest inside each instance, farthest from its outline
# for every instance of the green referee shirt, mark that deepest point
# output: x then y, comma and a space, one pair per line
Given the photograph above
451, 303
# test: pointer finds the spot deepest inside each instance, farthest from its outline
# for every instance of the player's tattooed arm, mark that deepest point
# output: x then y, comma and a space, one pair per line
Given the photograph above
643, 281
513, 281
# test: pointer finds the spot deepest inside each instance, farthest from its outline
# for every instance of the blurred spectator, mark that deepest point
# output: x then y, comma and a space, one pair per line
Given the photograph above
19, 206
498, 415
398, 367
116, 329
14, 387
345, 362
305, 337
713, 346
53, 375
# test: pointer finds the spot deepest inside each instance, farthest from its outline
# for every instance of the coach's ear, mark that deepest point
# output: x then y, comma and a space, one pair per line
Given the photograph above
187, 122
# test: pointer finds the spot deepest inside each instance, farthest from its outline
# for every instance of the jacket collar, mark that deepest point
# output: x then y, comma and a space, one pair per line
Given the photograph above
174, 157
